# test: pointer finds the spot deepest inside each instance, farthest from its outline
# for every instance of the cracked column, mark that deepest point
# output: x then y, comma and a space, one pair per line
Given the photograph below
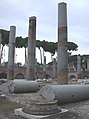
62, 61
31, 48
10, 74
0, 46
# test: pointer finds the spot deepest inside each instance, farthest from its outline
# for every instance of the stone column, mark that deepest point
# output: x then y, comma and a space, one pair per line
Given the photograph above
0, 46
78, 66
44, 68
87, 64
62, 61
36, 76
31, 48
54, 68
25, 57
10, 75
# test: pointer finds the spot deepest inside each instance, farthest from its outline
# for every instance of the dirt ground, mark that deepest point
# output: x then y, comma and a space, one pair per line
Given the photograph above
7, 109
79, 110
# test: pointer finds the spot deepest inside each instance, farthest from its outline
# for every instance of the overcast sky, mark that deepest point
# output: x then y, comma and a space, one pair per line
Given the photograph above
17, 12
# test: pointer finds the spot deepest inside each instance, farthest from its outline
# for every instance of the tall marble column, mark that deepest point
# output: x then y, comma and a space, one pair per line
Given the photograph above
78, 66
11, 54
31, 48
44, 68
0, 46
87, 64
62, 60
54, 68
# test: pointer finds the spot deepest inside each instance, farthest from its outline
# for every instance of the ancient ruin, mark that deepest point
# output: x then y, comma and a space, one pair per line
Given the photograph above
65, 93
11, 53
79, 66
62, 59
43, 105
31, 49
54, 69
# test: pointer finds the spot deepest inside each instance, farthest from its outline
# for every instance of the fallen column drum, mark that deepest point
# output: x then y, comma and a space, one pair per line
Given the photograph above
23, 86
65, 93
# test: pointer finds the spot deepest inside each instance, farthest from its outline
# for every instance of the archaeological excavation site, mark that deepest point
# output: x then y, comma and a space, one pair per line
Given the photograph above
56, 91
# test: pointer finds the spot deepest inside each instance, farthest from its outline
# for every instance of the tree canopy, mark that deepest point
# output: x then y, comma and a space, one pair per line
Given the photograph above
47, 46
72, 46
5, 36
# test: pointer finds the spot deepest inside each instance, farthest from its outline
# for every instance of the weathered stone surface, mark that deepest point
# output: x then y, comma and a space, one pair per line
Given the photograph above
19, 86
62, 77
62, 59
31, 49
20, 113
10, 74
4, 88
54, 68
65, 93
42, 107
78, 66
23, 86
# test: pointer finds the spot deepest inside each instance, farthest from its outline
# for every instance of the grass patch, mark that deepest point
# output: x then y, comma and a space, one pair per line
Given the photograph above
8, 106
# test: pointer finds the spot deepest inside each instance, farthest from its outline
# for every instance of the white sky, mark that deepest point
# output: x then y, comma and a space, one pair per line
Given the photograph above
17, 12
